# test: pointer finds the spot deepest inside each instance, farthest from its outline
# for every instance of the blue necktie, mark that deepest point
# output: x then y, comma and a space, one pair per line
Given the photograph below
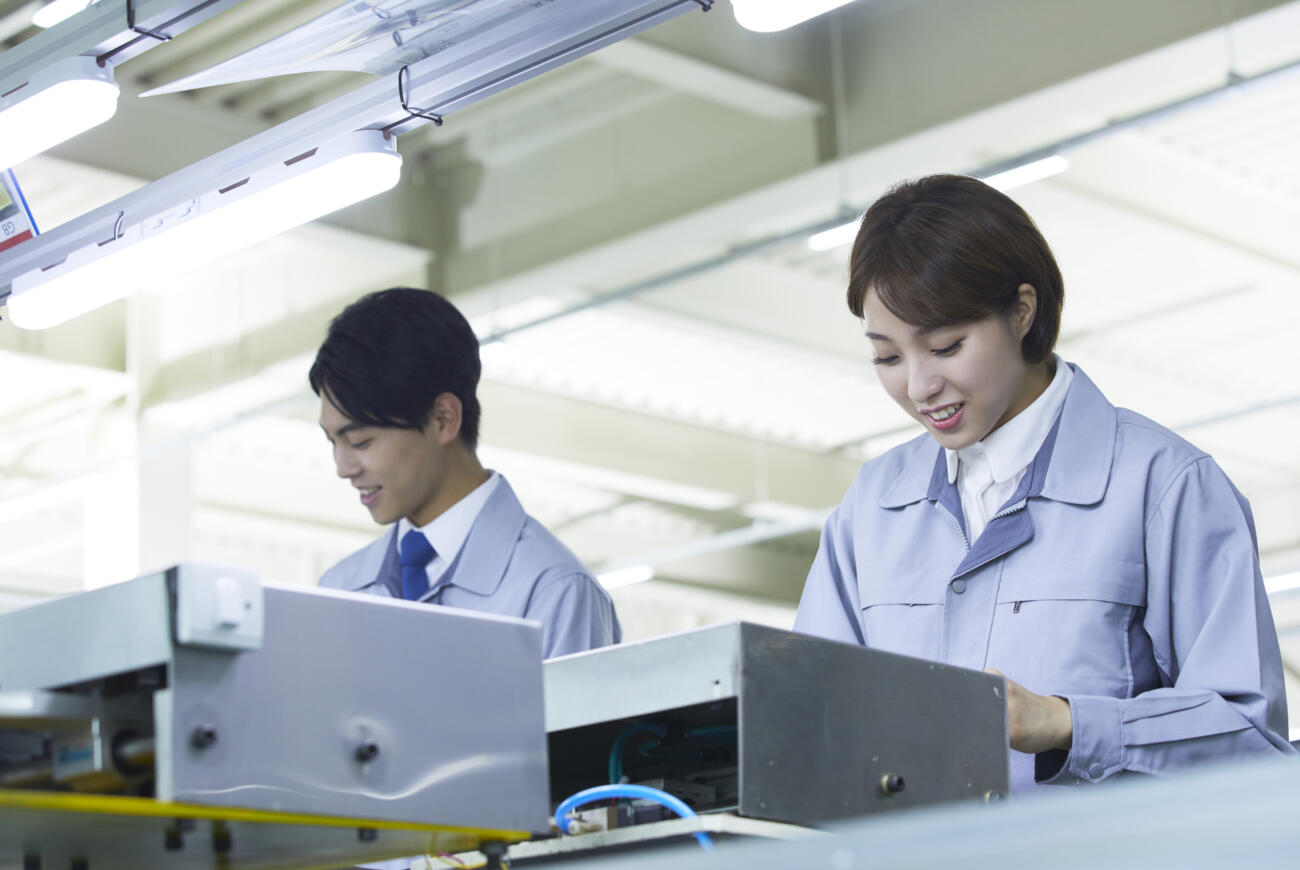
416, 553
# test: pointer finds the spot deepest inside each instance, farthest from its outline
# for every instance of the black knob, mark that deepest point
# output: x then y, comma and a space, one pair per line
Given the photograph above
203, 736
366, 751
892, 784
222, 841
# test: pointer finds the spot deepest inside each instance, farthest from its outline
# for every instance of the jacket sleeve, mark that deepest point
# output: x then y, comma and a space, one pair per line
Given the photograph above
1222, 693
830, 606
576, 614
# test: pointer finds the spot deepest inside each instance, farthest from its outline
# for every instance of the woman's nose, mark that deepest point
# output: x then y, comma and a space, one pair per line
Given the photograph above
923, 384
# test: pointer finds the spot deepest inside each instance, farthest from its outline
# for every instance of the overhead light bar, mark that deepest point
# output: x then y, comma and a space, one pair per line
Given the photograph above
768, 16
59, 101
1016, 176
1282, 583
57, 12
196, 231
830, 239
626, 576
1027, 173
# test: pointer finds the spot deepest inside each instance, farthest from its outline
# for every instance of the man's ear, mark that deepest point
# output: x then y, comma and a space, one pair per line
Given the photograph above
445, 418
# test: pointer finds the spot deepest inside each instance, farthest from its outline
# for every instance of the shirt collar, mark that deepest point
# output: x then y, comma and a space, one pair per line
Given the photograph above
1010, 449
1083, 454
448, 531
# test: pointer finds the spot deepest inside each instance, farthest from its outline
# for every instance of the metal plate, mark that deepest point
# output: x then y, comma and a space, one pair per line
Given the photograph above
109, 832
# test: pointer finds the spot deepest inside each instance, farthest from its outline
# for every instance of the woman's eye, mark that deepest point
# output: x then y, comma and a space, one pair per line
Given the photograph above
884, 360
361, 445
950, 349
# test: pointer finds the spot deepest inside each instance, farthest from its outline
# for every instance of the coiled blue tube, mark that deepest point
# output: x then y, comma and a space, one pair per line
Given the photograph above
606, 792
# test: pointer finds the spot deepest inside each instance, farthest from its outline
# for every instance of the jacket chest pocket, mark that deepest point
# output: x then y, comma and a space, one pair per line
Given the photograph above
1065, 627
902, 612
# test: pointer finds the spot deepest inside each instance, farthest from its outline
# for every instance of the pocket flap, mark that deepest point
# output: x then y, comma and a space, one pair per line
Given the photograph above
1090, 580
903, 587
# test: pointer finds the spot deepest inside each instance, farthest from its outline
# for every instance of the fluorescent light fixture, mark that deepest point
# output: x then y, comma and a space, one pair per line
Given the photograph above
608, 479
1282, 583
833, 238
217, 222
781, 512
626, 576
60, 10
767, 16
61, 100
1028, 173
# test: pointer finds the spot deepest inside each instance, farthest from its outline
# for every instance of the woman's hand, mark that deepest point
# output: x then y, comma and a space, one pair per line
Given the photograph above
1036, 723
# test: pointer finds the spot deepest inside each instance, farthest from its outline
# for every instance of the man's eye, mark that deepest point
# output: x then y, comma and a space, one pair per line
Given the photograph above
950, 349
884, 360
361, 445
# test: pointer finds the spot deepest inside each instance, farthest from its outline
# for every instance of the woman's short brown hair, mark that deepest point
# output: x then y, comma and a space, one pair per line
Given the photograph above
949, 249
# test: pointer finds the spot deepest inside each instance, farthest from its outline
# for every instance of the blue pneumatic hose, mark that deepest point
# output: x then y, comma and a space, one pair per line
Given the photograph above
605, 792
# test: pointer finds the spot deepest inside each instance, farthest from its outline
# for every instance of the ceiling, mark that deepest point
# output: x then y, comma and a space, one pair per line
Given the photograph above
692, 394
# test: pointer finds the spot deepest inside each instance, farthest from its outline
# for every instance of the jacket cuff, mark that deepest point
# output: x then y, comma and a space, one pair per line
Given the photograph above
1097, 748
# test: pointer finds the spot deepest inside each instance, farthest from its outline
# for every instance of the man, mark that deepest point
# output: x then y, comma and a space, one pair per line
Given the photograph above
397, 377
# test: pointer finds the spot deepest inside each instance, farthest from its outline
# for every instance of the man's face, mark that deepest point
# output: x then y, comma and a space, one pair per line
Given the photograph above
397, 472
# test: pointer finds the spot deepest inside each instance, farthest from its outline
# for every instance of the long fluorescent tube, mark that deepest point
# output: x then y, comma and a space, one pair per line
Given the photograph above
1282, 583
626, 576
61, 100
1028, 173
245, 210
767, 16
830, 239
60, 10
1017, 176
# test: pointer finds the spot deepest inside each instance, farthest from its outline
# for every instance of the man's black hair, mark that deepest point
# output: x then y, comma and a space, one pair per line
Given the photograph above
389, 355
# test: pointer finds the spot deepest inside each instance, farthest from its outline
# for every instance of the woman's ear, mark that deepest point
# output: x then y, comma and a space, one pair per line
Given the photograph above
1024, 309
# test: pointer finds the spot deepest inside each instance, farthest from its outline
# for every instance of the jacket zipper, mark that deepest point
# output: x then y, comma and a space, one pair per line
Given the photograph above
1019, 506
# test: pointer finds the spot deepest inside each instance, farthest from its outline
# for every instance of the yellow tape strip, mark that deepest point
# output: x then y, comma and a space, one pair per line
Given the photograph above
120, 805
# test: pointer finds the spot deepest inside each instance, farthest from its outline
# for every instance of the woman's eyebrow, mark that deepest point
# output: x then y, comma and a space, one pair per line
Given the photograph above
920, 330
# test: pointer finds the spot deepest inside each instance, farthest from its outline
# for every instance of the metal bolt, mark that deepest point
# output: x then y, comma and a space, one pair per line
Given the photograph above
892, 783
366, 751
367, 835
203, 736
222, 841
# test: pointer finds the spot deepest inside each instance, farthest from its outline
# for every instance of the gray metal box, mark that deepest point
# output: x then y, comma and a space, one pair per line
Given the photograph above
819, 725
349, 705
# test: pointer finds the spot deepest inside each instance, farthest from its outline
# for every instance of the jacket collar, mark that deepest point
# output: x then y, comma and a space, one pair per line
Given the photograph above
1085, 438
481, 564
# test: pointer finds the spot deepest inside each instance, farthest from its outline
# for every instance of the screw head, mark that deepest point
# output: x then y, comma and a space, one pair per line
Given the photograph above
892, 783
203, 736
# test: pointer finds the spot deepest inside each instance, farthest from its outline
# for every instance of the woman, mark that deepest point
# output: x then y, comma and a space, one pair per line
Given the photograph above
1107, 567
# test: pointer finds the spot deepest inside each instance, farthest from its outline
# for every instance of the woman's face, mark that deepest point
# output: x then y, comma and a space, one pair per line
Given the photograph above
961, 382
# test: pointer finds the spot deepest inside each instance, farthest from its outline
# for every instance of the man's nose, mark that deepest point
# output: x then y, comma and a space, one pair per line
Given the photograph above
345, 463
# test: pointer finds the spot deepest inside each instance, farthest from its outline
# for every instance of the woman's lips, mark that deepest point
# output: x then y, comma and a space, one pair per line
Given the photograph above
949, 422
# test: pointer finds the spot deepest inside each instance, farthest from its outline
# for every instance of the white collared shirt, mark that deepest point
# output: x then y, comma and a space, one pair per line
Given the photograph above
988, 472
448, 531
